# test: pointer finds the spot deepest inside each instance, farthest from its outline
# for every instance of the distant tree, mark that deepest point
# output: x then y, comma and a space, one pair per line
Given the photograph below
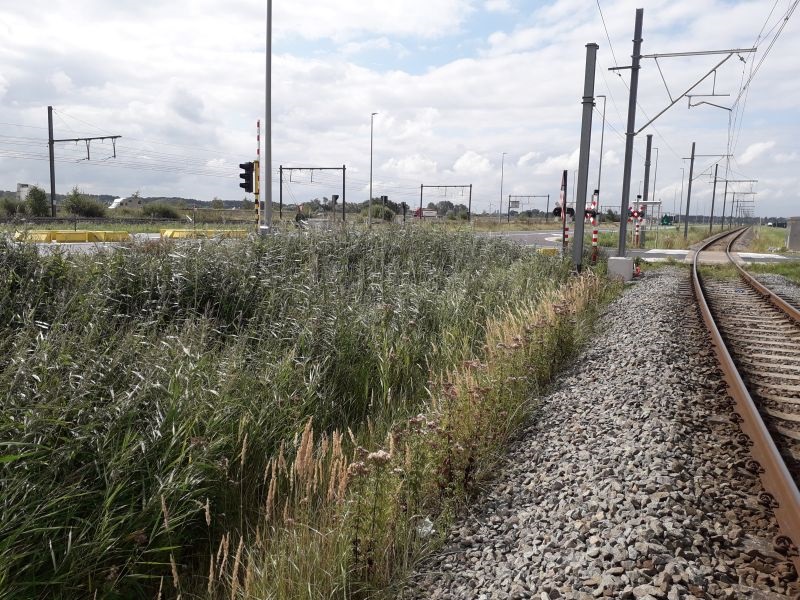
379, 212
77, 203
247, 204
217, 204
444, 207
159, 210
11, 207
38, 206
611, 216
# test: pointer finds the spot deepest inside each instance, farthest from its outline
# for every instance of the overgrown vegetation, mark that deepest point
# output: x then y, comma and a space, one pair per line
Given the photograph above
240, 417
11, 207
767, 239
38, 204
78, 204
159, 210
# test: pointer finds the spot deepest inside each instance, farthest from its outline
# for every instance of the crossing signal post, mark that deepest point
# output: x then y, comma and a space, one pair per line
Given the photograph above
247, 175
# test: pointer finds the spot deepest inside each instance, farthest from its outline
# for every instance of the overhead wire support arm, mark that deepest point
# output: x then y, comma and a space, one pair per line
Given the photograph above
728, 53
700, 53
88, 140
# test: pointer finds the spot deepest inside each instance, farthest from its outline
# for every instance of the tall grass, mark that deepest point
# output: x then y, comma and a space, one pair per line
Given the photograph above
767, 239
377, 509
149, 393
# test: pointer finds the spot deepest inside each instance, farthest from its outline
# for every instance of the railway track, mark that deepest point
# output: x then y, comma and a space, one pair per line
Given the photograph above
756, 335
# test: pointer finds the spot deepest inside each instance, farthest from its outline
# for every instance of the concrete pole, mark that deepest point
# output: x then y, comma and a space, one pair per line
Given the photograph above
655, 176
713, 199
647, 156
647, 161
583, 161
724, 202
369, 204
51, 143
502, 173
689, 194
631, 131
267, 212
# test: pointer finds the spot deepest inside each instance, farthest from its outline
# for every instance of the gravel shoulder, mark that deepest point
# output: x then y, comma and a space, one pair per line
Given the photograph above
630, 484
781, 285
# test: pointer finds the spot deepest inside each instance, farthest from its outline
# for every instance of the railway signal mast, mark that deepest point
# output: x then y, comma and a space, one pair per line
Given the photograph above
631, 131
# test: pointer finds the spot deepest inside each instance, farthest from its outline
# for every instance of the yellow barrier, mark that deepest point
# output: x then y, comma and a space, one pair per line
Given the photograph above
33, 236
108, 236
190, 234
548, 251
72, 237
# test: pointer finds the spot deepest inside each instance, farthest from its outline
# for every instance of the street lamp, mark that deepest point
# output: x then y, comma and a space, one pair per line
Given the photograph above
369, 204
602, 136
502, 172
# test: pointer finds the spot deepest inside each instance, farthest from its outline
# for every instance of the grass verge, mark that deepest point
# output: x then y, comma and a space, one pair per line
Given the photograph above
789, 269
272, 416
371, 505
767, 240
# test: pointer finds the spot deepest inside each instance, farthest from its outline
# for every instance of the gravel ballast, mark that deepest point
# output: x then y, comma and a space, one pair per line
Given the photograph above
631, 483
783, 286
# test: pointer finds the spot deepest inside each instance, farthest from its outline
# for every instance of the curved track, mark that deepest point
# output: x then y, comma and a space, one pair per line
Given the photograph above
756, 336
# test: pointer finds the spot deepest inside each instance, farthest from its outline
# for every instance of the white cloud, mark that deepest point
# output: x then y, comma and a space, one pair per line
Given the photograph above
528, 158
61, 82
753, 151
376, 44
498, 6
610, 158
784, 157
472, 163
555, 164
342, 20
414, 166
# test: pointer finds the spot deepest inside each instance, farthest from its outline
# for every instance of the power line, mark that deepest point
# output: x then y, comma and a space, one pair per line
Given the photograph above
769, 48
608, 37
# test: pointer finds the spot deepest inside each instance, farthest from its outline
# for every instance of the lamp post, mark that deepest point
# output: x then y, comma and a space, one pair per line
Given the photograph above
502, 173
369, 203
602, 136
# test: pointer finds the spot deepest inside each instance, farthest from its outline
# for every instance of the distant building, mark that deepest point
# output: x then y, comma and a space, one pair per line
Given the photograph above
131, 202
22, 191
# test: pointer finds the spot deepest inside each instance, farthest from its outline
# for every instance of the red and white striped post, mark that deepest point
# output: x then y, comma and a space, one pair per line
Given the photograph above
591, 214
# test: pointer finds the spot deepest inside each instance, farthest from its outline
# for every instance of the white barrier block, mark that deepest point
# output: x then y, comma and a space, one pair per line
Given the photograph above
620, 267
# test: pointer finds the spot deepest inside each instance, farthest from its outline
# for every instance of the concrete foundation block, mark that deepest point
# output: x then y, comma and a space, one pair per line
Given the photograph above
620, 267
793, 242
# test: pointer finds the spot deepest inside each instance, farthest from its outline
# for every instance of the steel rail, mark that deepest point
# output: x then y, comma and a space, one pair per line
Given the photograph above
760, 288
783, 495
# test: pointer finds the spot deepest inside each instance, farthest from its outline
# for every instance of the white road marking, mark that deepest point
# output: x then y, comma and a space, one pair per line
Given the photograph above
757, 255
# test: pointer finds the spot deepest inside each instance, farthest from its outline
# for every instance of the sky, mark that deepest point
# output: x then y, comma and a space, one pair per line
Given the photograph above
455, 83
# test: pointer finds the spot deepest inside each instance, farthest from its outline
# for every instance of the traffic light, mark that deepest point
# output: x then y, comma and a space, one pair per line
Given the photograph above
557, 211
247, 175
